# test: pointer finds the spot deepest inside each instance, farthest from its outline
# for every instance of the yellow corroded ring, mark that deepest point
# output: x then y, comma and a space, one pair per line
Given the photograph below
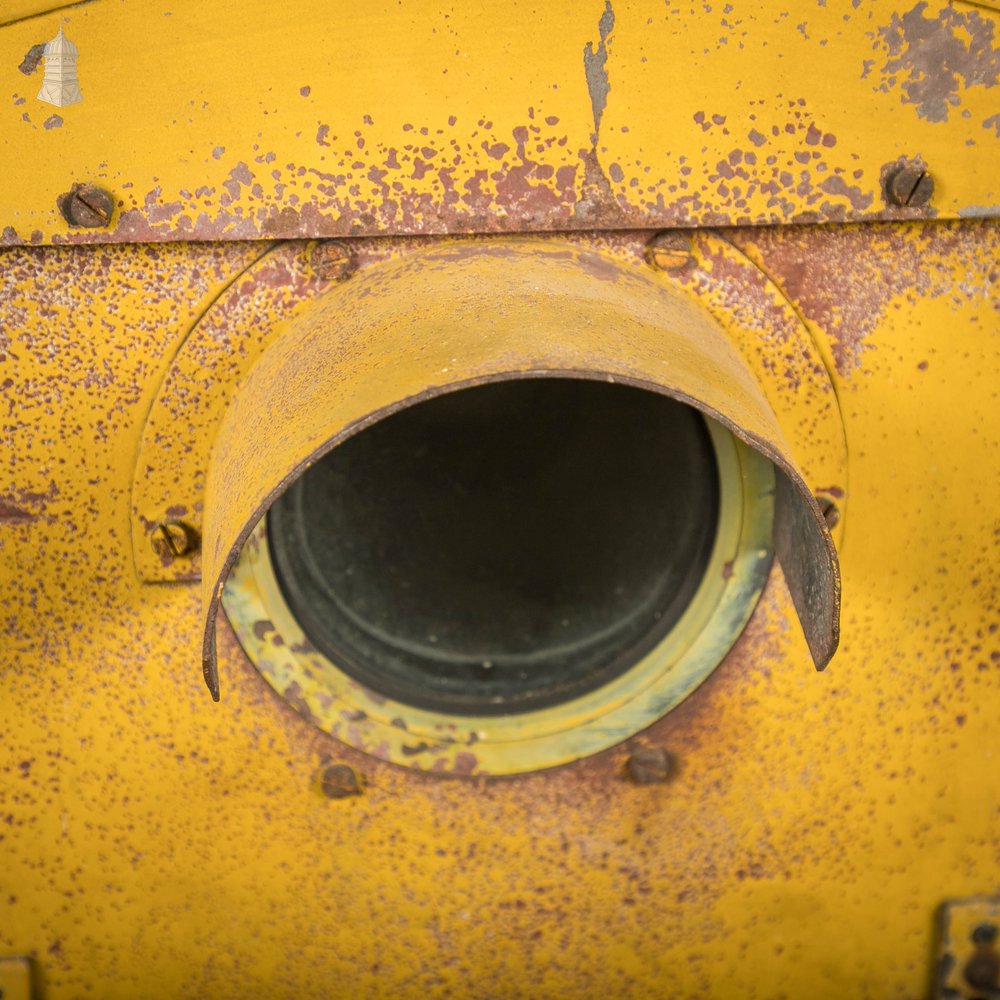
530, 741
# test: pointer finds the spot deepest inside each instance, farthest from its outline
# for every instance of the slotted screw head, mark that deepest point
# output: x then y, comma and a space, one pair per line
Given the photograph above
174, 540
649, 765
910, 187
340, 782
331, 260
669, 251
87, 205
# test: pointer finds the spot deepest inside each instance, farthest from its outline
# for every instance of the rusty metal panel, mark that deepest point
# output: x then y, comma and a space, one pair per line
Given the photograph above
231, 121
155, 845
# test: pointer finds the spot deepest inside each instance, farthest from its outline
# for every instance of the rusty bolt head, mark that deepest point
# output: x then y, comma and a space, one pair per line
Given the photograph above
649, 766
339, 781
831, 512
174, 540
910, 187
669, 251
331, 260
87, 205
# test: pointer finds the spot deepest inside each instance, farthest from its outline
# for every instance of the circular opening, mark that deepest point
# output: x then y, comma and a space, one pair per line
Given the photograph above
502, 548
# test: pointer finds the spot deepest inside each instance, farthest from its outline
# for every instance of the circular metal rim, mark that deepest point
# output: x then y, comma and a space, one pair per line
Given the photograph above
529, 741
370, 651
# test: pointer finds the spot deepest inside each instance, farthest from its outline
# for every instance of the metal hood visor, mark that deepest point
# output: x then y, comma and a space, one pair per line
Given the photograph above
459, 315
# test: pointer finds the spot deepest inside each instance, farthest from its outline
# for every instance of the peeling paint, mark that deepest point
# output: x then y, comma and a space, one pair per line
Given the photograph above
934, 59
32, 59
595, 66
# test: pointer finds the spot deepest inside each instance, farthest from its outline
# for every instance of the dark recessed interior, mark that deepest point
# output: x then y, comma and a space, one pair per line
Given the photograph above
504, 547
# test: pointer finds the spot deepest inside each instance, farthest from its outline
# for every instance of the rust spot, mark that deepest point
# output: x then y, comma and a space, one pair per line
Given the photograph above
466, 763
260, 629
23, 506
596, 204
11, 512
294, 696
527, 178
598, 266
846, 279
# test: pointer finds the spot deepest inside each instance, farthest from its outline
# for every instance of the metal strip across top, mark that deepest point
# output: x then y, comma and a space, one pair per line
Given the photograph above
234, 121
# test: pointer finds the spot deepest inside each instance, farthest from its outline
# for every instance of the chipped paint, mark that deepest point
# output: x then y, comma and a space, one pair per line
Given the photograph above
595, 59
32, 59
935, 56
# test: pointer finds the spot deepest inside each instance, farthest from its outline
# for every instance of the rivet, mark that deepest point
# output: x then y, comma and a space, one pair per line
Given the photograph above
669, 251
174, 540
648, 765
87, 205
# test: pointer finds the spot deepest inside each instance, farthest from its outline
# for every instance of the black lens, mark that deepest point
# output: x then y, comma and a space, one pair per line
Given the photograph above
501, 548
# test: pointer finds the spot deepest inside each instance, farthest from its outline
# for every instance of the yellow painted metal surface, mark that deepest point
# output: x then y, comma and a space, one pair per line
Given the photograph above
155, 844
238, 120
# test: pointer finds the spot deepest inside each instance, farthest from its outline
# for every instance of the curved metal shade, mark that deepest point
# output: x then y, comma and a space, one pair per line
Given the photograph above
466, 313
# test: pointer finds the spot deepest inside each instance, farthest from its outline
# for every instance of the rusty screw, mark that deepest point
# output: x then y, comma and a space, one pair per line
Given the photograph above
669, 251
331, 260
831, 512
339, 781
174, 540
910, 187
648, 766
87, 205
